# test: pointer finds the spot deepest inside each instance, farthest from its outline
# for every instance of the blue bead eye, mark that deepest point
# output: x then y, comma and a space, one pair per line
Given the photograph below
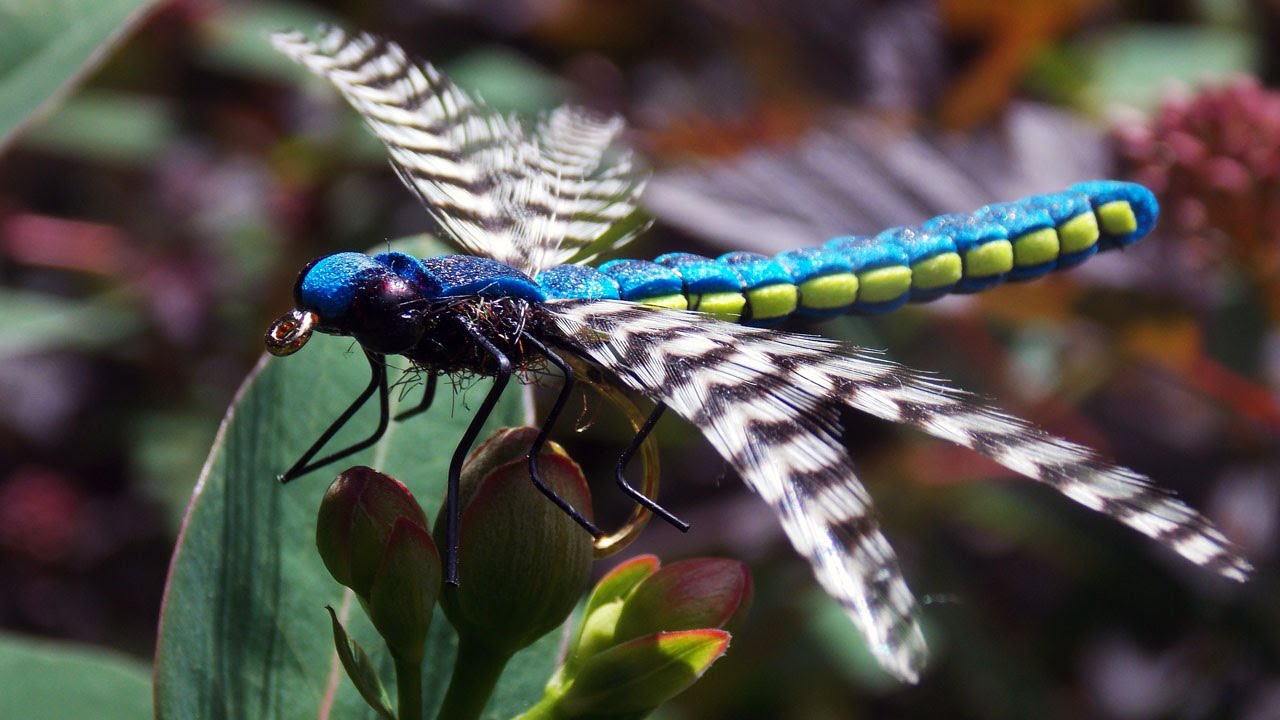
329, 285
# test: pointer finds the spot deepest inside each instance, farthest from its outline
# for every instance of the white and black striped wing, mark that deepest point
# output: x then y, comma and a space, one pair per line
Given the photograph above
529, 200
769, 402
586, 193
779, 433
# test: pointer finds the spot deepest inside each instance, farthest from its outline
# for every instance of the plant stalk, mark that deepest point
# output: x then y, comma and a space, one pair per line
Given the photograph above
475, 673
544, 709
408, 688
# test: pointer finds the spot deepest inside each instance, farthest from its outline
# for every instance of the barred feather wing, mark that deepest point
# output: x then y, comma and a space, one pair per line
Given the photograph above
769, 402
780, 434
585, 192
529, 200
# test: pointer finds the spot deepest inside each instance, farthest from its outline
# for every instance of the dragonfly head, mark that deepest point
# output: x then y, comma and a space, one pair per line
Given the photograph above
378, 300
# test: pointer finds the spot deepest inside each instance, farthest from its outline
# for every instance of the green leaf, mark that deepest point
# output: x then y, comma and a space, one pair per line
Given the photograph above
46, 46
829, 628
640, 675
620, 581
31, 322
604, 606
635, 223
53, 681
361, 671
242, 630
1133, 65
508, 82
106, 127
236, 37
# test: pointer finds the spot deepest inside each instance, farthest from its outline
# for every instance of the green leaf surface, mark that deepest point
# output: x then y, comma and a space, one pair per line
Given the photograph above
640, 675
1134, 65
361, 671
44, 680
106, 127
33, 322
635, 223
235, 38
46, 46
508, 82
830, 629
243, 632
621, 580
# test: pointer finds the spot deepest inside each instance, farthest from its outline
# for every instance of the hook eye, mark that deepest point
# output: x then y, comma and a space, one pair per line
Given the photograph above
288, 334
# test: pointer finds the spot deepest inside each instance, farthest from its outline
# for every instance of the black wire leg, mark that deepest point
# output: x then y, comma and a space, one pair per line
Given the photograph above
452, 511
627, 454
377, 382
428, 396
534, 473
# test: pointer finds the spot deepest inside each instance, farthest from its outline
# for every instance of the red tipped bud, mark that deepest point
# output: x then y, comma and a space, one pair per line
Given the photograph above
356, 518
522, 562
373, 538
648, 633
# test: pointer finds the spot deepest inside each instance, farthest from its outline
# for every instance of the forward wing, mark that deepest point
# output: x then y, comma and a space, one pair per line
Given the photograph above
529, 200
589, 192
769, 402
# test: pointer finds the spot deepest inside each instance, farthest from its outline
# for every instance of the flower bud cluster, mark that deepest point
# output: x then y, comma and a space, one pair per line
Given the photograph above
1213, 158
647, 633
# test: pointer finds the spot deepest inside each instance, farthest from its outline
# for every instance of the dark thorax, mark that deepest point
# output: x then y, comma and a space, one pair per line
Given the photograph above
447, 347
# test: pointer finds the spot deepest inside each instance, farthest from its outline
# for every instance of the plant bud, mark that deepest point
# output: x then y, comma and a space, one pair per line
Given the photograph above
405, 589
634, 678
373, 538
522, 563
648, 633
357, 516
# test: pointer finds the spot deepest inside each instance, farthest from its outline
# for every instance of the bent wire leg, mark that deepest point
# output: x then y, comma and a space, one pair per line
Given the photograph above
452, 511
635, 494
428, 396
378, 382
534, 473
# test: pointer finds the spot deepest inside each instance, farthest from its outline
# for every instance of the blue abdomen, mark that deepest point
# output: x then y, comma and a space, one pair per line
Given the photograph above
951, 253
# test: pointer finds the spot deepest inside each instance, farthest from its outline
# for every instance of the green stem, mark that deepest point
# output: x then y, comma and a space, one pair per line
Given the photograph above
408, 689
475, 673
545, 709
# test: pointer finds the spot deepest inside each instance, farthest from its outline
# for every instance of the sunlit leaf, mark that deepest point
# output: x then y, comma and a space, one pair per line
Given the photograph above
641, 674
46, 46
53, 681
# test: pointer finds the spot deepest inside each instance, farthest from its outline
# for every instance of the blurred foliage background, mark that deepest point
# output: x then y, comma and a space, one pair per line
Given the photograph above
152, 218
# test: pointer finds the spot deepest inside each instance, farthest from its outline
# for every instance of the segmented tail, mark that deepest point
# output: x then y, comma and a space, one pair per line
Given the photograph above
875, 274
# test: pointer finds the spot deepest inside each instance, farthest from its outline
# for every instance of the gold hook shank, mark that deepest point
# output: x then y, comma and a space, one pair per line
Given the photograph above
614, 542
